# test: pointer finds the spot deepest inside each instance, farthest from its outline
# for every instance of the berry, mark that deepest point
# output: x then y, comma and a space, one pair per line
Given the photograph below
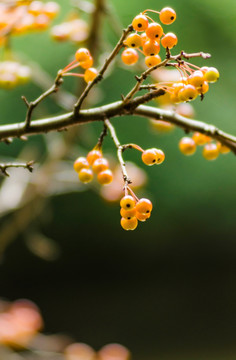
142, 217
187, 146
51, 9
189, 92
149, 157
160, 156
82, 54
140, 22
204, 88
167, 16
161, 125
127, 202
210, 151
211, 75
133, 41
169, 40
152, 60
151, 48
87, 63
93, 155
85, 175
200, 139
154, 31
196, 79
128, 213
129, 56
90, 74
105, 177
144, 206
223, 149
129, 224
81, 163
99, 165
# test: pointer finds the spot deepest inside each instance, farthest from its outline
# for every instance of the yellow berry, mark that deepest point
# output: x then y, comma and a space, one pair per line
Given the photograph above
105, 177
90, 74
127, 202
187, 146
85, 175
210, 151
129, 224
80, 163
144, 206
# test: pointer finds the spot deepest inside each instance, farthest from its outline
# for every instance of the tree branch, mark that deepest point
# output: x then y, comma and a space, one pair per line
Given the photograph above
4, 167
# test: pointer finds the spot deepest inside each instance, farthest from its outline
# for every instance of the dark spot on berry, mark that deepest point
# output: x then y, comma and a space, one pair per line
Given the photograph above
139, 25
172, 18
152, 54
156, 35
133, 45
148, 211
153, 160
190, 98
128, 205
128, 217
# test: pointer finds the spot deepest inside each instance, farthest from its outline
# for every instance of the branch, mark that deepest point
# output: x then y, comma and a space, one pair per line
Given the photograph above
134, 107
4, 167
99, 77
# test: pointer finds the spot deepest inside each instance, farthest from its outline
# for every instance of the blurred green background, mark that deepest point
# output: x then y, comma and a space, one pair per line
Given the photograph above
168, 289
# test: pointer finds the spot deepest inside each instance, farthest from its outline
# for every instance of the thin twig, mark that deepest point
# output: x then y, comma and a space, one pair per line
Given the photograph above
99, 77
4, 167
120, 149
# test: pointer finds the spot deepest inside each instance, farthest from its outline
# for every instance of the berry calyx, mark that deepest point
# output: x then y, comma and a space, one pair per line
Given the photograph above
167, 16
187, 146
129, 224
127, 202
144, 206
140, 22
85, 175
129, 56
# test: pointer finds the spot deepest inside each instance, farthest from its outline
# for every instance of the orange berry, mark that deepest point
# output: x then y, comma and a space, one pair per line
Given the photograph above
105, 177
99, 165
154, 31
129, 224
223, 149
161, 125
90, 74
149, 157
144, 206
151, 48
200, 139
152, 60
189, 92
133, 41
85, 175
129, 56
93, 155
204, 88
167, 15
87, 63
211, 75
185, 109
82, 54
80, 163
169, 40
196, 78
187, 146
140, 22
127, 202
51, 9
210, 151
142, 217
128, 213
160, 156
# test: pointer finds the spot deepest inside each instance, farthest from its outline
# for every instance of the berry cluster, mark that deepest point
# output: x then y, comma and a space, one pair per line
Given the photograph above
94, 163
134, 209
74, 30
24, 17
151, 38
211, 150
13, 73
84, 59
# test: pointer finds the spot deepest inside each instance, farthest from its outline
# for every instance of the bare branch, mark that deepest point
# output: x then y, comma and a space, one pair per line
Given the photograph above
4, 167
